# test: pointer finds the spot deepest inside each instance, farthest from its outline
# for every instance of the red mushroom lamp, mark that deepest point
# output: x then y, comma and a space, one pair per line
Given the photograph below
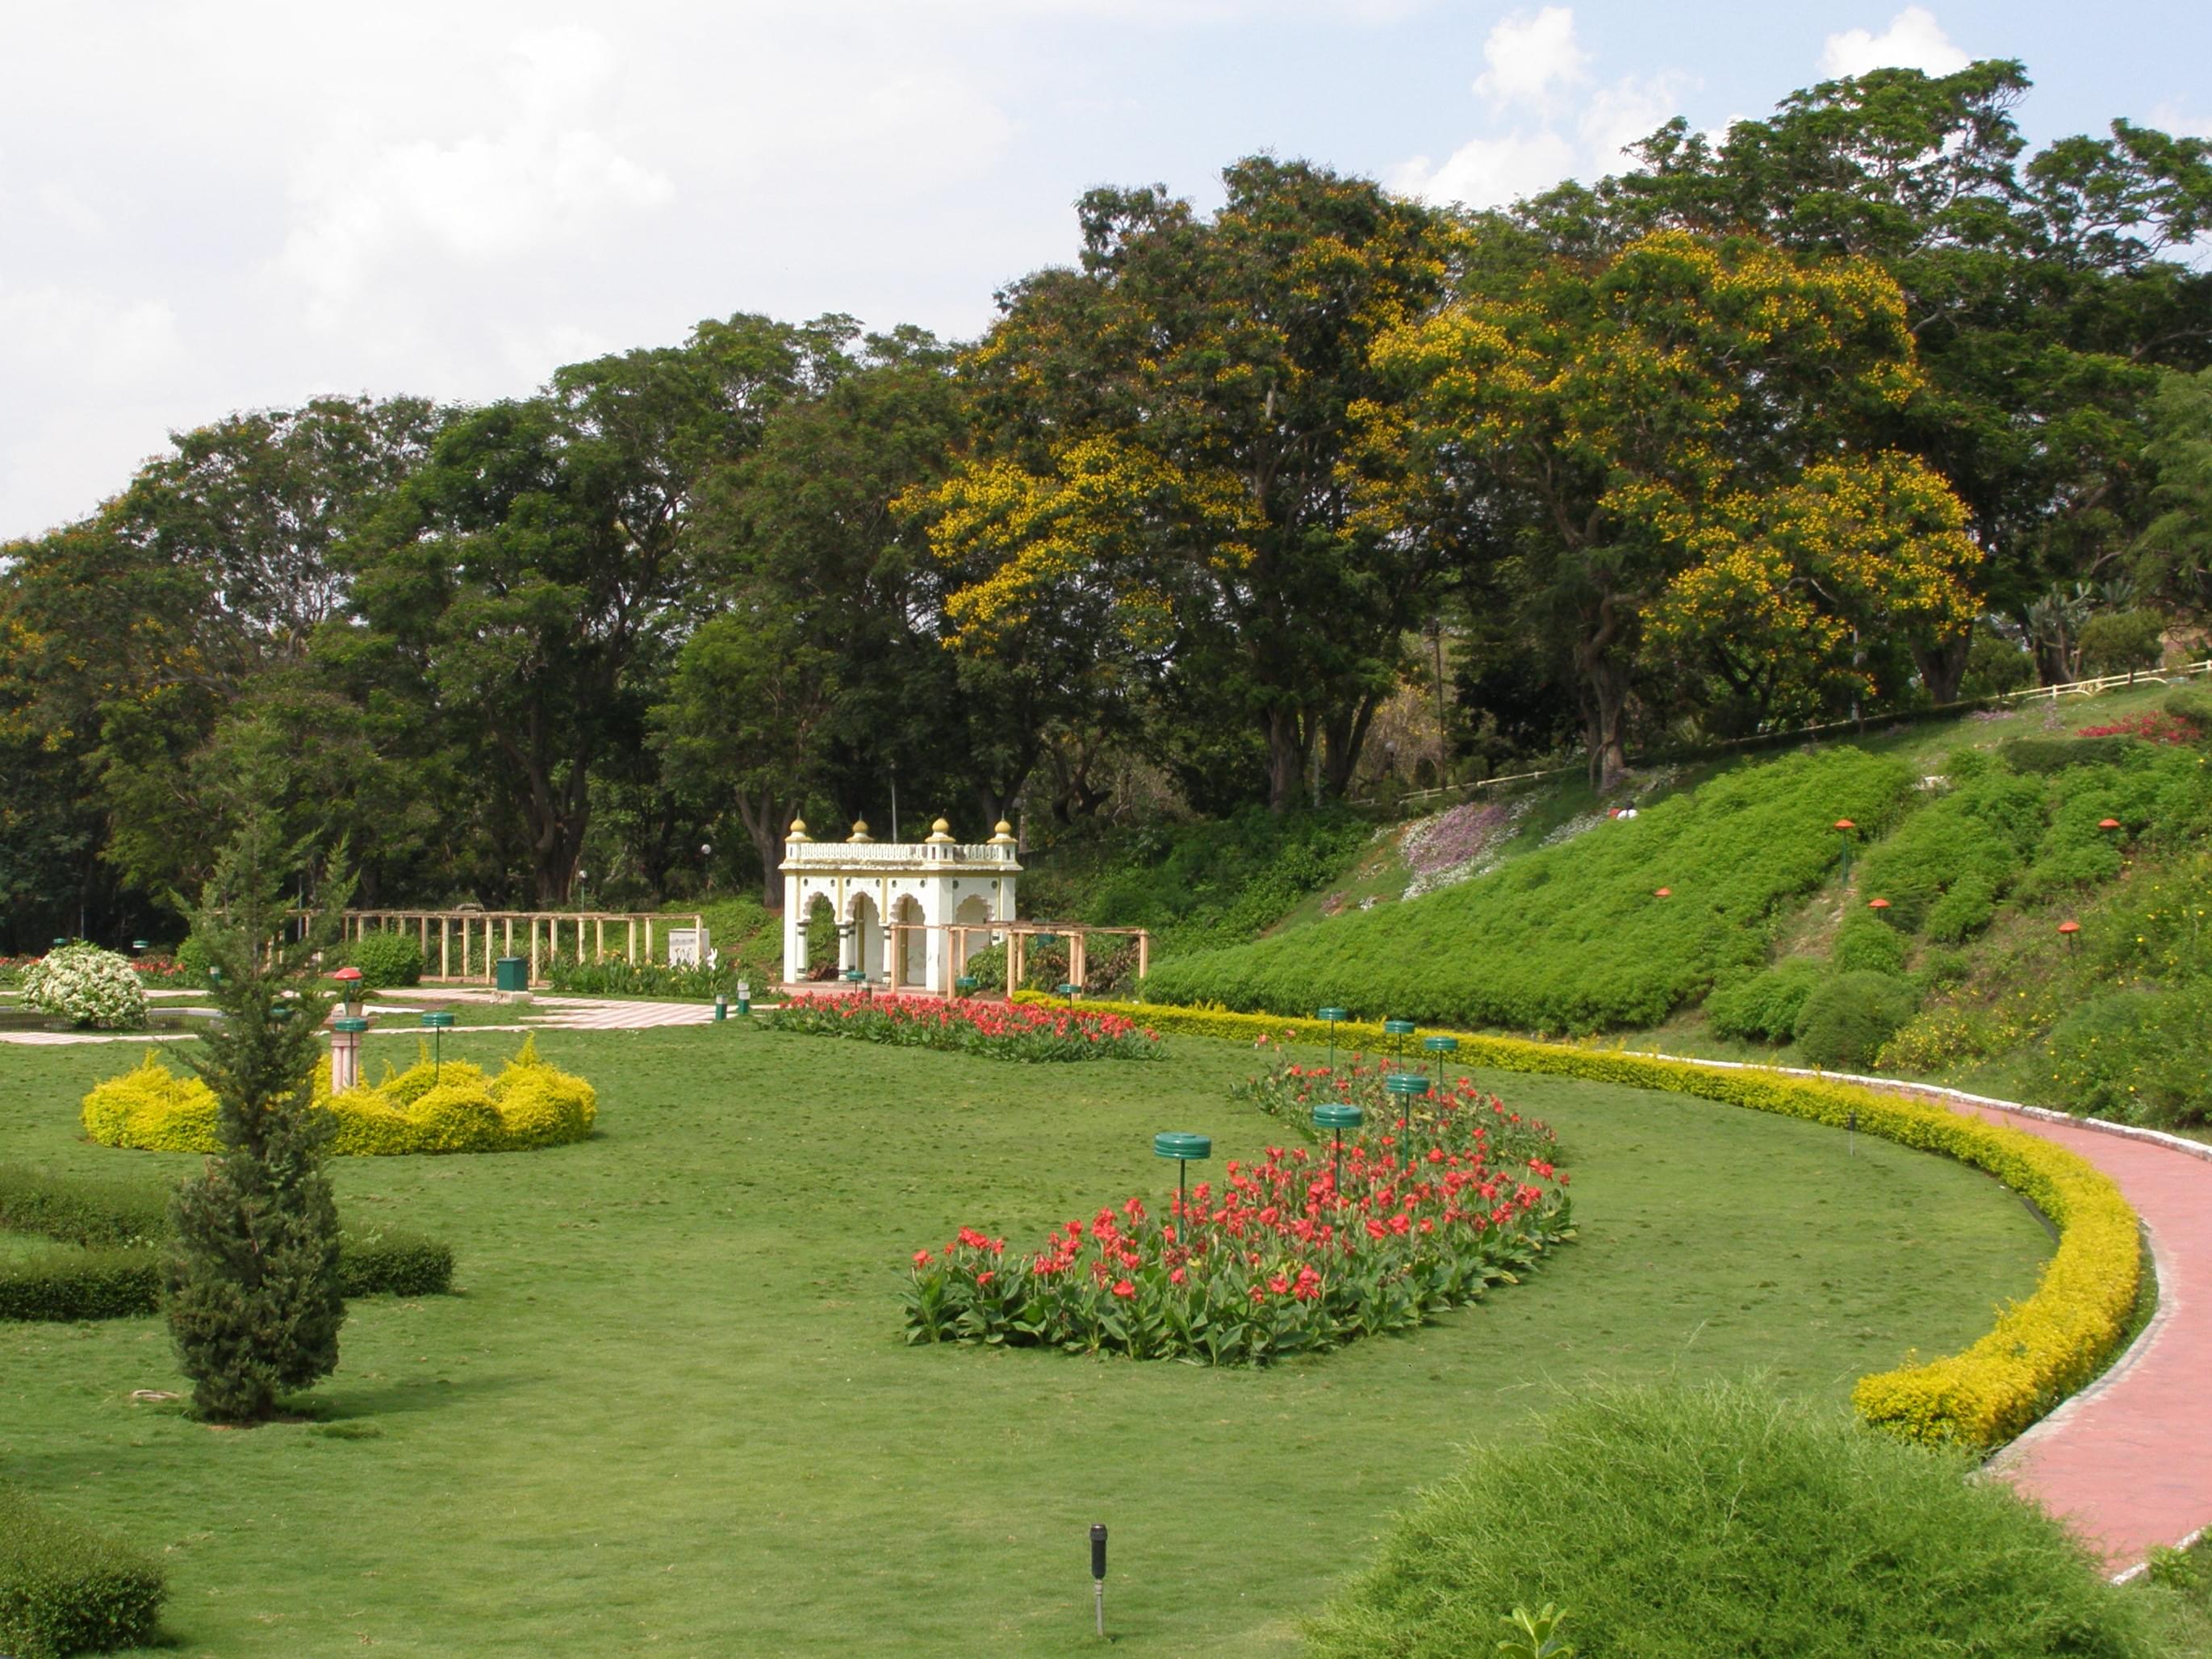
1662, 892
2069, 931
1844, 828
2108, 823
1878, 904
348, 981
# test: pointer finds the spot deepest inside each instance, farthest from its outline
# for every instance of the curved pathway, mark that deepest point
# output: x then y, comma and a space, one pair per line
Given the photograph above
2127, 1463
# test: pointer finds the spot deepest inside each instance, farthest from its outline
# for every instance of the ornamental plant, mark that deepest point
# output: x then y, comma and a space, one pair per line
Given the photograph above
254, 1295
1454, 1110
86, 985
1279, 1260
997, 1030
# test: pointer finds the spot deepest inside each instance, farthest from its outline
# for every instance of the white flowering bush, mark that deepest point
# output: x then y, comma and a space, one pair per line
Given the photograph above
86, 985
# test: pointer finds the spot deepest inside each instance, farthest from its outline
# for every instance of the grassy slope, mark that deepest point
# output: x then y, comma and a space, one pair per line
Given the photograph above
670, 1410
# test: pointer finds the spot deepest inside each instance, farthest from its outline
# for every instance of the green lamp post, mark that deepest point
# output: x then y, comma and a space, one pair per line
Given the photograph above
1186, 1150
1406, 1086
1069, 989
966, 984
1337, 1117
1335, 1016
1399, 1029
1443, 1047
437, 1024
856, 977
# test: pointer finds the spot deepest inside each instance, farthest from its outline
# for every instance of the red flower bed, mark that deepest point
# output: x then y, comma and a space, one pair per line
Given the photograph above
2152, 728
1000, 1030
1279, 1259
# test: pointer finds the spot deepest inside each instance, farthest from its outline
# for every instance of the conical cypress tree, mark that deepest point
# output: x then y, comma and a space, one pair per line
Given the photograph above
253, 1294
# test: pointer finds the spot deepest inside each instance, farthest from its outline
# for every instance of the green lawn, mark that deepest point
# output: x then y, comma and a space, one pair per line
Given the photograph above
671, 1413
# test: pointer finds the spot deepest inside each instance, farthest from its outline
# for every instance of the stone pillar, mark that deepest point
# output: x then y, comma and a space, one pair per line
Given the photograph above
345, 1053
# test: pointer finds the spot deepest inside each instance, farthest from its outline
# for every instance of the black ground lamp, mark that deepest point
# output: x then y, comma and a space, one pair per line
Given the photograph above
1099, 1574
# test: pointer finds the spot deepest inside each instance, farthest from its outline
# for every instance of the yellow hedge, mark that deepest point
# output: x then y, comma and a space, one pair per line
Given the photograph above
2041, 1350
458, 1109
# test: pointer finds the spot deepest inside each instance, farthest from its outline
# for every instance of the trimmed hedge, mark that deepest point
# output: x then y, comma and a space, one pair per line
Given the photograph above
454, 1108
2041, 1349
121, 1233
66, 1589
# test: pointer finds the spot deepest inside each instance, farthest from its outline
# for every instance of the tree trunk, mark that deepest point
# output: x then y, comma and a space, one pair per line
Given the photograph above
766, 822
1943, 667
1344, 740
1601, 657
1286, 759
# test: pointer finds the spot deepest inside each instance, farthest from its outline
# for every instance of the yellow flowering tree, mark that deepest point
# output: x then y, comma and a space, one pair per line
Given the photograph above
1675, 453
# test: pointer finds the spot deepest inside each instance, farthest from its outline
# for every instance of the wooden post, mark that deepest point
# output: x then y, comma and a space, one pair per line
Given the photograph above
509, 950
445, 947
598, 937
897, 932
629, 949
1013, 964
422, 936
1076, 956
533, 949
648, 939
1144, 954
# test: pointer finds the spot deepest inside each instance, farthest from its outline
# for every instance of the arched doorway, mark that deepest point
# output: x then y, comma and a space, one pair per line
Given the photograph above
913, 944
820, 939
867, 947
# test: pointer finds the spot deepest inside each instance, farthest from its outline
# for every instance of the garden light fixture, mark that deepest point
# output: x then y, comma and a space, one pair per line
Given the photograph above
1069, 988
744, 997
2108, 824
348, 981
1335, 1016
1099, 1574
966, 984
1662, 892
1844, 828
1185, 1149
1401, 1029
437, 1024
1337, 1117
722, 1007
1443, 1047
2071, 933
1879, 906
1406, 1086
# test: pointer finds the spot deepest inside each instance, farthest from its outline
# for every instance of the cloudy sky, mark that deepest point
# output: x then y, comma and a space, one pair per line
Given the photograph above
215, 204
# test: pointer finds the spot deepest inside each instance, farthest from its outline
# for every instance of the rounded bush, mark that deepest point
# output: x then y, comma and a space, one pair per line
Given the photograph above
86, 985
1847, 1017
1678, 1524
454, 1108
1867, 944
386, 959
1764, 1008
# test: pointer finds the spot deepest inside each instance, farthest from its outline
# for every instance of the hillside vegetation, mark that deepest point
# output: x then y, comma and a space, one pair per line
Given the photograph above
1942, 956
1578, 938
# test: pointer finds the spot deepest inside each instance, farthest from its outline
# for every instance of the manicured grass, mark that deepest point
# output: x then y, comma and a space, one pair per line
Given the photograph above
670, 1409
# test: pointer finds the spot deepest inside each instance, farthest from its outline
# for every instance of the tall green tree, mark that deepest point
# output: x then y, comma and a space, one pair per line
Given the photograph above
1679, 447
1155, 464
2038, 289
253, 1296
534, 576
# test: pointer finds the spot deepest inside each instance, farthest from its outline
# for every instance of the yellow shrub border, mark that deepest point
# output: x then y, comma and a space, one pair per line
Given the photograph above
2040, 1351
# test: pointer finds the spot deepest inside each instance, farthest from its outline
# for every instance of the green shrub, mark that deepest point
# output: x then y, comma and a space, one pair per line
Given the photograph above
1994, 664
193, 959
392, 1263
2192, 703
2115, 641
66, 1284
81, 1209
1865, 944
386, 959
1847, 1017
1764, 1008
1574, 937
2037, 756
66, 1589
1681, 1523
1968, 907
2137, 1057
1977, 835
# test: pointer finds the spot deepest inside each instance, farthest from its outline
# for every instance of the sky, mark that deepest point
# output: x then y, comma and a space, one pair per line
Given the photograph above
211, 205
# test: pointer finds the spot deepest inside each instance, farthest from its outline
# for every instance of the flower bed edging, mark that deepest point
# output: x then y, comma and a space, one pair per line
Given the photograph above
2041, 1349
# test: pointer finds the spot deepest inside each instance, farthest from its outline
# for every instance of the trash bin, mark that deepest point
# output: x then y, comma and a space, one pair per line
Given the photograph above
512, 972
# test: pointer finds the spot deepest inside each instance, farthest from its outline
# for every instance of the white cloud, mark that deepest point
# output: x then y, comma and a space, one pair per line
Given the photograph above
107, 340
1489, 171
1531, 57
1627, 112
1914, 40
2170, 118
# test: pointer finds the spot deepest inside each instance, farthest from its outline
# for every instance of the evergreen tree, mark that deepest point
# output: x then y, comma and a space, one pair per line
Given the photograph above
254, 1300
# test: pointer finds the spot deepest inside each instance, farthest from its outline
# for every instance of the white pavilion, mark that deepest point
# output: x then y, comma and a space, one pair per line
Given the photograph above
909, 914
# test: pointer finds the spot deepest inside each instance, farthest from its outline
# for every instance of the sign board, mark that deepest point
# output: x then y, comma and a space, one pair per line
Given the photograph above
687, 947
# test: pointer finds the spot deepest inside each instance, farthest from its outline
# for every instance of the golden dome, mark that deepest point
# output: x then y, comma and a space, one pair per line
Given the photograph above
798, 830
940, 834
860, 831
1002, 836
